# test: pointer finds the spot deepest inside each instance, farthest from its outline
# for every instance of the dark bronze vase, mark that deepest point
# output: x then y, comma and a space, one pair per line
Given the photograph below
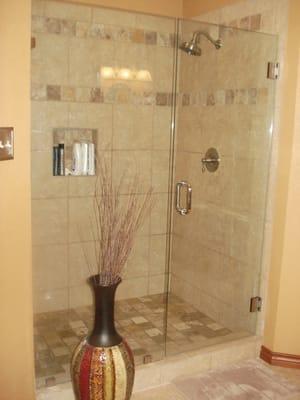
102, 365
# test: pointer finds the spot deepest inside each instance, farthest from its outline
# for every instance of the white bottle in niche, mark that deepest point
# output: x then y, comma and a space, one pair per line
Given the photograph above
77, 159
84, 158
91, 159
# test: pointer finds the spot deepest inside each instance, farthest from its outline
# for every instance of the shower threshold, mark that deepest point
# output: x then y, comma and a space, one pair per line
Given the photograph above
239, 347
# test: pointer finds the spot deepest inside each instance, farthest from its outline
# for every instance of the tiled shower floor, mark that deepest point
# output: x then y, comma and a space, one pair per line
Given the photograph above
140, 320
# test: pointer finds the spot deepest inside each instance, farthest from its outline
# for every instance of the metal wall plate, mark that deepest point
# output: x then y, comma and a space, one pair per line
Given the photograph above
6, 143
273, 70
255, 304
147, 359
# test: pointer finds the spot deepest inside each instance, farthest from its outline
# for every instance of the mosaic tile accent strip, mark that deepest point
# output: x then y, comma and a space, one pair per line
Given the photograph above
113, 95
139, 320
247, 96
125, 95
101, 31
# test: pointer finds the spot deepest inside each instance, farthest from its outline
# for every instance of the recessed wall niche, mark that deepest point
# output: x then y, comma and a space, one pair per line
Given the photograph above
74, 152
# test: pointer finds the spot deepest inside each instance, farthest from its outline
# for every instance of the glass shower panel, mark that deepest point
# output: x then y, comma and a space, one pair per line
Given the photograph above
225, 104
101, 76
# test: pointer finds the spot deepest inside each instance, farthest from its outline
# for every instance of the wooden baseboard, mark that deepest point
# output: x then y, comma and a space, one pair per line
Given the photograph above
279, 359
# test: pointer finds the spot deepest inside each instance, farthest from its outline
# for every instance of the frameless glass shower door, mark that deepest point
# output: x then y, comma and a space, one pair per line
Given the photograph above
223, 141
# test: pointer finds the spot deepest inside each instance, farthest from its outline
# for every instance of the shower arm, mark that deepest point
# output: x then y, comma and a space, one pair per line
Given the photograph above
217, 43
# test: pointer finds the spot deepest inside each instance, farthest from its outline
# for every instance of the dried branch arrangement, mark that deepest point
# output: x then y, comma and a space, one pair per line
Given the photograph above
116, 220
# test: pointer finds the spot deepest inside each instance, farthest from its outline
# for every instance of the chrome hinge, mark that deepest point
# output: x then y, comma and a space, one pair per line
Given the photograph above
147, 359
33, 43
273, 70
255, 304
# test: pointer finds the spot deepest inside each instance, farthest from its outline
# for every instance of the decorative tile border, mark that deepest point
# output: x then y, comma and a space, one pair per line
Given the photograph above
101, 31
118, 33
125, 95
204, 98
113, 95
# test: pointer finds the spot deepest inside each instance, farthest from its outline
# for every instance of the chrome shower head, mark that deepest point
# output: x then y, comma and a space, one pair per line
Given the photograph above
192, 47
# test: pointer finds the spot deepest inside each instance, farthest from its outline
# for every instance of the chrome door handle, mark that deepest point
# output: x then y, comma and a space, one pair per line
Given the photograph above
187, 209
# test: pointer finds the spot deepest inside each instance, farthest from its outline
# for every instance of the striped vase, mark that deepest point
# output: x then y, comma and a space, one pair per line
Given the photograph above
102, 366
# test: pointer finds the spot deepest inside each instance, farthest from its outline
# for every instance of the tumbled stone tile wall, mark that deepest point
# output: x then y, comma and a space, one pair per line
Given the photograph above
131, 120
271, 17
220, 242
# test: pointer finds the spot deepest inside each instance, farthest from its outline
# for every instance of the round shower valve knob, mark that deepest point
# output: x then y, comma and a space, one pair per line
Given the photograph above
211, 161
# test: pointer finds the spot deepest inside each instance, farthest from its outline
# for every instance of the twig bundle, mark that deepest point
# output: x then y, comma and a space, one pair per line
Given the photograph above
117, 218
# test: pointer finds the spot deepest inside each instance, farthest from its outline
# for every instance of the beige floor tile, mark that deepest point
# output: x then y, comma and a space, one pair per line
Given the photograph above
248, 379
162, 393
294, 397
289, 373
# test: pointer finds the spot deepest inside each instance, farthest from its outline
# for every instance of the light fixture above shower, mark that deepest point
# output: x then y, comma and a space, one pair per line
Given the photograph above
192, 47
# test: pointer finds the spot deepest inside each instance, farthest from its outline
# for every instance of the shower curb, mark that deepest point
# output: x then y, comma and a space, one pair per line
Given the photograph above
185, 364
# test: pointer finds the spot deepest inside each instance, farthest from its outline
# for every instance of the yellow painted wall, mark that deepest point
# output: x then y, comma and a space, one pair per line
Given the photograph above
193, 8
172, 8
282, 333
16, 355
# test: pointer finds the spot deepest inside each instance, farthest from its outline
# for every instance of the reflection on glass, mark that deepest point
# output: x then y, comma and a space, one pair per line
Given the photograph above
125, 74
